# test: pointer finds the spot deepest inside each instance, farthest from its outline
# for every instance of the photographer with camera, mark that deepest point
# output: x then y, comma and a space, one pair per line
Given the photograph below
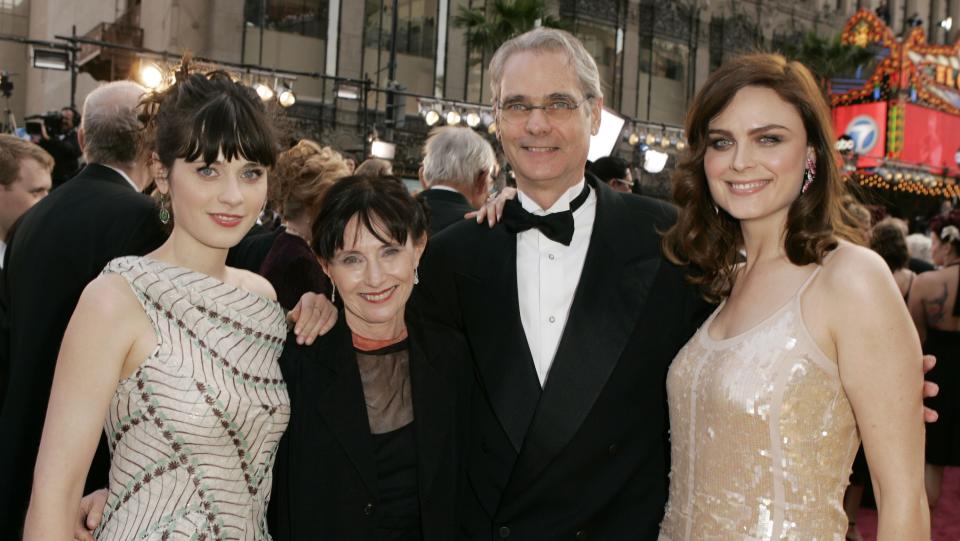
56, 132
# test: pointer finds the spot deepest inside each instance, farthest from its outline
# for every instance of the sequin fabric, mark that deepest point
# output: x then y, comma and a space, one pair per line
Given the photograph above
763, 436
194, 431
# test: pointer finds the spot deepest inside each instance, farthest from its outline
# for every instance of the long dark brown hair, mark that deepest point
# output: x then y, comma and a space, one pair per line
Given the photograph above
709, 239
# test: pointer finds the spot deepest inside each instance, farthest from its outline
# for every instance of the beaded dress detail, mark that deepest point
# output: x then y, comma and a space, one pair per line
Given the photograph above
194, 431
762, 435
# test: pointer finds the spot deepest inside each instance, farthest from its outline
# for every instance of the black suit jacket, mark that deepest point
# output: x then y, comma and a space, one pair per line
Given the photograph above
59, 246
325, 477
446, 208
587, 456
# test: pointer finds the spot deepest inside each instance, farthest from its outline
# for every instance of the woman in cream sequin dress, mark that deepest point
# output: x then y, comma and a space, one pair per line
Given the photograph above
175, 354
811, 348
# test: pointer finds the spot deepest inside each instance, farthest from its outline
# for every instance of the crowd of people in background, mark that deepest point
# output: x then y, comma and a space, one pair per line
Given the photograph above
444, 379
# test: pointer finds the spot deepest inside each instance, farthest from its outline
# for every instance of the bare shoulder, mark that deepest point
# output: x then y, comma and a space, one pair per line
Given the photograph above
856, 272
108, 297
254, 283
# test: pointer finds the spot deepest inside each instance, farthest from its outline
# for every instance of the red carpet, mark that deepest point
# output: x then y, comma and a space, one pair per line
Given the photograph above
946, 518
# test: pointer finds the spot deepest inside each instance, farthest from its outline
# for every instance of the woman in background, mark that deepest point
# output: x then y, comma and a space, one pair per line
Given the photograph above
936, 313
302, 176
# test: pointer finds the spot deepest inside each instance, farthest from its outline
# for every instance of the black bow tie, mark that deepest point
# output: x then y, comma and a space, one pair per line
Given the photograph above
557, 226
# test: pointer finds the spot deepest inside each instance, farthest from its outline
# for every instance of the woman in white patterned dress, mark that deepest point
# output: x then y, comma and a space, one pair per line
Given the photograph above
175, 354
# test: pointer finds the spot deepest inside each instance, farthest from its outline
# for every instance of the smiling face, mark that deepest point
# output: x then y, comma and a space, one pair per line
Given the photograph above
756, 153
215, 204
374, 279
545, 152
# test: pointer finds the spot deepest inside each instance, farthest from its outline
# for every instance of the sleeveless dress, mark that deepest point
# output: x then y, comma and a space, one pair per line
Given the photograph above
762, 435
193, 432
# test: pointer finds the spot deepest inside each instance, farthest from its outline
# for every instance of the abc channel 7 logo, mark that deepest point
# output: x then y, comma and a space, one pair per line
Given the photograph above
864, 133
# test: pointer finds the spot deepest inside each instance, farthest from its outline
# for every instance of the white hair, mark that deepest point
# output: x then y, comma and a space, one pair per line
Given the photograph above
548, 40
110, 124
455, 156
918, 245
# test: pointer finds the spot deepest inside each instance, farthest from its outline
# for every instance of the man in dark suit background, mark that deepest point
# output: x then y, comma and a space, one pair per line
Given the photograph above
59, 246
570, 316
457, 173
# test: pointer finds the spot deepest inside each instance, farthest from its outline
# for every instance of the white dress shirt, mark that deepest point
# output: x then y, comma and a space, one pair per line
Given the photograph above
547, 276
3, 252
125, 177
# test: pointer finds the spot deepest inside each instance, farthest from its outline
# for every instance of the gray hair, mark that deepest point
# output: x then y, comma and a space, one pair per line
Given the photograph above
918, 245
110, 124
455, 155
548, 40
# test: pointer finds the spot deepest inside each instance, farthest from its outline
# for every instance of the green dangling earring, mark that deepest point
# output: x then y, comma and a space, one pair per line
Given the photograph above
164, 210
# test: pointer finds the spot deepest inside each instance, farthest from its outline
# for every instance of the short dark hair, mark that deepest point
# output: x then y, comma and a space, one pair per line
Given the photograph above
203, 114
608, 168
383, 205
887, 239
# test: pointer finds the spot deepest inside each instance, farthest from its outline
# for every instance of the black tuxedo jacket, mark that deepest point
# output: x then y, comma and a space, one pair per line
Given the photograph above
587, 456
325, 476
59, 246
446, 208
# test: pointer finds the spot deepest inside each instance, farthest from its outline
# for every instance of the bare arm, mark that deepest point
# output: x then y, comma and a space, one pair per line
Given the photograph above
881, 370
102, 333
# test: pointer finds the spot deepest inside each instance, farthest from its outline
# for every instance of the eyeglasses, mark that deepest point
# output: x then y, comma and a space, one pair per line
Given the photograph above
555, 110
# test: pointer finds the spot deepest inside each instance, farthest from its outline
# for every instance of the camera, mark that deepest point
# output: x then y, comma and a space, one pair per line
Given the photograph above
53, 121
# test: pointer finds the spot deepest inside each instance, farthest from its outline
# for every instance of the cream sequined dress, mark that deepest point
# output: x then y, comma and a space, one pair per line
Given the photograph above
762, 435
194, 431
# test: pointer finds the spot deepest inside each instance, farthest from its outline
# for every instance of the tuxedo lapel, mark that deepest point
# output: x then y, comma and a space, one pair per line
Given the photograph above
433, 403
339, 397
497, 339
608, 300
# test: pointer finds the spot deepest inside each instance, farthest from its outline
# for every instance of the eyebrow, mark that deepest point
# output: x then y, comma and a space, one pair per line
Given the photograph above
553, 96
759, 129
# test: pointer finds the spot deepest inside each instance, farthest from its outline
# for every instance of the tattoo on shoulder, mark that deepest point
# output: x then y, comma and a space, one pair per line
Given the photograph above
936, 307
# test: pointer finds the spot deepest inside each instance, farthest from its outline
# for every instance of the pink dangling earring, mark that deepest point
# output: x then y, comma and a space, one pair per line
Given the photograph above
809, 173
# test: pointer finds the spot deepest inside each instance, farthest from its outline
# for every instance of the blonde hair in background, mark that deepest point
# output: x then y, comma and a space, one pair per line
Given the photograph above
302, 176
13, 150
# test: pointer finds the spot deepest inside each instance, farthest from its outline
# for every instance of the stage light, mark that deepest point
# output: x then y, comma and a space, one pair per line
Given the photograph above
285, 96
151, 76
264, 91
453, 117
473, 119
431, 117
633, 139
654, 161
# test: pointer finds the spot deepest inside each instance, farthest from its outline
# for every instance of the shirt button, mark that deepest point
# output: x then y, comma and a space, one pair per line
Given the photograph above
551, 257
504, 532
368, 509
552, 319
612, 449
581, 535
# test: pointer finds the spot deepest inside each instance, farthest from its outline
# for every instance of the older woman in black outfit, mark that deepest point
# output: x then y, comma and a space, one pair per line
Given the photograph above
369, 452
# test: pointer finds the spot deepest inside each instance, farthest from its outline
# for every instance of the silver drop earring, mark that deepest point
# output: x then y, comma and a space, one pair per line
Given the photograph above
333, 293
416, 275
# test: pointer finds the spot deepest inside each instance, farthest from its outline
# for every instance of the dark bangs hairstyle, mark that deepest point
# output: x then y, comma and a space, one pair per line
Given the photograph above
203, 114
709, 240
383, 205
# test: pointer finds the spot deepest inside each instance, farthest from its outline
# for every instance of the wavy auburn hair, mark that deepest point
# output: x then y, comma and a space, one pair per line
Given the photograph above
709, 240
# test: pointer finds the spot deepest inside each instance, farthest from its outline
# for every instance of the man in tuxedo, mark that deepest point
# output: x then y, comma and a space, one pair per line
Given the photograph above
570, 316
60, 245
457, 173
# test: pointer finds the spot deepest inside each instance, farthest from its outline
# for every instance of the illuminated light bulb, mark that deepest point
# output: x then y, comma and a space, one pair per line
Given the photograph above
264, 91
286, 98
473, 119
151, 76
432, 117
453, 117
